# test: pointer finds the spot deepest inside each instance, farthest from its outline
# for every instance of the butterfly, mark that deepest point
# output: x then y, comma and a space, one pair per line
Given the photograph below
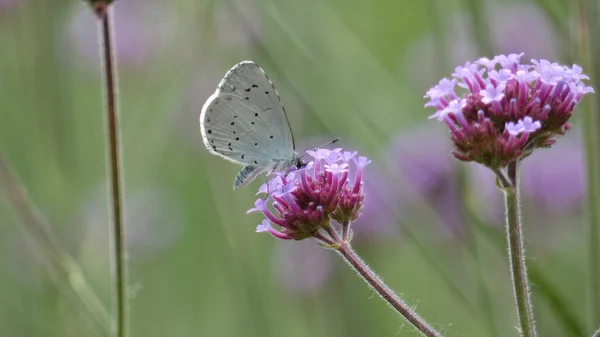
245, 122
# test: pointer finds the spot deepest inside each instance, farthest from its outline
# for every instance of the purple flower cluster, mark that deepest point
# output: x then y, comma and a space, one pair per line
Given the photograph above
305, 200
509, 108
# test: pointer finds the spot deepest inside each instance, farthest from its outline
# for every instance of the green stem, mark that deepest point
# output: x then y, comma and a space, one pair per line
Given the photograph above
589, 36
351, 257
516, 252
103, 12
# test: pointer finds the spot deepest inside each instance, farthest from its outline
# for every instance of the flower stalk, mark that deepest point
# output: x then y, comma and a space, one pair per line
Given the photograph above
332, 240
103, 12
516, 253
345, 250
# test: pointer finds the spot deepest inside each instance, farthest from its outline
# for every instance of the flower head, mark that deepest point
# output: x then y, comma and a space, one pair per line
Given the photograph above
303, 201
508, 108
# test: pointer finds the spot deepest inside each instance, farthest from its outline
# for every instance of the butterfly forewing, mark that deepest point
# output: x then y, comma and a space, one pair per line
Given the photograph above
244, 120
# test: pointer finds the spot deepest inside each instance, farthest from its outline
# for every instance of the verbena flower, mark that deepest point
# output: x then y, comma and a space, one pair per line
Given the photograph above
302, 202
507, 109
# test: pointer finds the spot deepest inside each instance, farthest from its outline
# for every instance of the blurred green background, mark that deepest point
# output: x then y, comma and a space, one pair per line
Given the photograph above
356, 70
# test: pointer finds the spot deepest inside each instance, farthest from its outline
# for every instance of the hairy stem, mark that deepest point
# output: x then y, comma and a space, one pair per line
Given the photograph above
346, 231
516, 252
325, 240
502, 178
351, 257
114, 156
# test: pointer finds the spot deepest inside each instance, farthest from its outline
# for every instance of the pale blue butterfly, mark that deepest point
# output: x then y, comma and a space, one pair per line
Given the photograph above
244, 122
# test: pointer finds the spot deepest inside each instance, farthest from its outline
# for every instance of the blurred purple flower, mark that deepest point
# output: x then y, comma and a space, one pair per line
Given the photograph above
555, 181
521, 27
379, 216
152, 219
302, 267
8, 4
142, 29
421, 156
518, 27
487, 197
424, 172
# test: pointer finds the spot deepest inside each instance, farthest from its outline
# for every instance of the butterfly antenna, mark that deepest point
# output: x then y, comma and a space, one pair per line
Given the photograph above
322, 146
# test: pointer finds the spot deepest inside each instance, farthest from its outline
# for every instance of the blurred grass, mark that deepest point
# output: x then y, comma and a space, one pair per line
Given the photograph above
341, 69
588, 35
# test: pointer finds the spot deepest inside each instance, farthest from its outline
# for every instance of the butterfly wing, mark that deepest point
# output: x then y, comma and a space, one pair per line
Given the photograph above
244, 120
